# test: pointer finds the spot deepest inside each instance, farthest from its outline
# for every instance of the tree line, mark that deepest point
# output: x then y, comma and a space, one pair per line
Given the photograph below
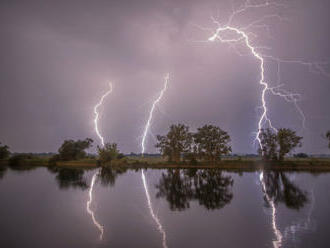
209, 143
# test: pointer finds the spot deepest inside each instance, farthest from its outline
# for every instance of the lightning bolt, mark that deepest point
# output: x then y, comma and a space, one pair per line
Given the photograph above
89, 211
97, 115
243, 36
145, 185
147, 126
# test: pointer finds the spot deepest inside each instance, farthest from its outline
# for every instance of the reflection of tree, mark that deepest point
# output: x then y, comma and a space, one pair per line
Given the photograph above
210, 188
67, 178
279, 188
213, 190
175, 187
108, 175
3, 170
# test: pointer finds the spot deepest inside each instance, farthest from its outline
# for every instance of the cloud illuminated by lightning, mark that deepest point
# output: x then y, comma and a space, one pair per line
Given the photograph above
96, 120
147, 126
88, 207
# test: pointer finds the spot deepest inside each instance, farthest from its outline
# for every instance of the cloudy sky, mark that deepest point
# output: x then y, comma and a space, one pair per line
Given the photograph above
57, 58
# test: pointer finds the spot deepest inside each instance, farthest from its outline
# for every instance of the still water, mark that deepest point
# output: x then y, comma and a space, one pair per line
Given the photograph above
163, 208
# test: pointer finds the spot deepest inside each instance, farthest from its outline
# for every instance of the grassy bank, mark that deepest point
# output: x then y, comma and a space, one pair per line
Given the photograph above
242, 164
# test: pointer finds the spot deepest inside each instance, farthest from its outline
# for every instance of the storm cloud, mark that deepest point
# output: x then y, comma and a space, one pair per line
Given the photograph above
57, 58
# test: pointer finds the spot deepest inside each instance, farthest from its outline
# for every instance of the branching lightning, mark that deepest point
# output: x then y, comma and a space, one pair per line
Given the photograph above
88, 205
243, 36
145, 185
96, 120
147, 126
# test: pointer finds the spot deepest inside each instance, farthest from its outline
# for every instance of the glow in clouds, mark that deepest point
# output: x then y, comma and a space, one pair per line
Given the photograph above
97, 114
88, 205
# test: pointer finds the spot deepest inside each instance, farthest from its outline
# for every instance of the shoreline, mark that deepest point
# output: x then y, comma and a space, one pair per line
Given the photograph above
314, 165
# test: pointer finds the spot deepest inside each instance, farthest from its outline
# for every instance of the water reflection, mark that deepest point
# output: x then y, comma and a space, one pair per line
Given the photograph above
281, 189
151, 210
278, 188
211, 188
290, 220
88, 207
3, 170
108, 175
70, 178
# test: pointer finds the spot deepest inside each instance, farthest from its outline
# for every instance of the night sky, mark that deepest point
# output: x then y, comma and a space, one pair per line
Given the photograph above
57, 58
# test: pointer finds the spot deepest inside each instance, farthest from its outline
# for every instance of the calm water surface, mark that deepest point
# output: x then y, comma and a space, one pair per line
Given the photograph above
163, 208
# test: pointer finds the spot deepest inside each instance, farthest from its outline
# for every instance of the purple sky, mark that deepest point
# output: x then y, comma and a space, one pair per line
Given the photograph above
58, 56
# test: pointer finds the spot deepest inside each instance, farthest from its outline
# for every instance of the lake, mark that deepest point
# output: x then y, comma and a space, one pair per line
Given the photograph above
163, 208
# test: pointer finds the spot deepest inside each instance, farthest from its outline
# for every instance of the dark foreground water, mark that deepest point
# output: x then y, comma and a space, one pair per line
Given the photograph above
163, 208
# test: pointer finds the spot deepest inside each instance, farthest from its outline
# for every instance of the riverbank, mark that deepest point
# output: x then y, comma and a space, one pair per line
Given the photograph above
247, 164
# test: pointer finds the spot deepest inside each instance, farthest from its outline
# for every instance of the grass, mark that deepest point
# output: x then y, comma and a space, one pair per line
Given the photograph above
230, 163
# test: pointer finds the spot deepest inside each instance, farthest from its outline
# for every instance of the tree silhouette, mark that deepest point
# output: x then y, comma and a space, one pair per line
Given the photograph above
175, 143
4, 151
74, 150
211, 142
274, 146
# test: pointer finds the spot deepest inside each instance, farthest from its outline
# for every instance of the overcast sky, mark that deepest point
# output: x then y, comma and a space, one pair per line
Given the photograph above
57, 58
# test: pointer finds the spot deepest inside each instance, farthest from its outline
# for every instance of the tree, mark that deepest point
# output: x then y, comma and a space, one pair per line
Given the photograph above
268, 144
211, 142
74, 150
287, 141
274, 146
4, 151
108, 153
177, 142
328, 137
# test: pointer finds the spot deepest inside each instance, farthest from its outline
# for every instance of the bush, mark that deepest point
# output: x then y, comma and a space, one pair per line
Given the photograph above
19, 159
4, 152
300, 155
109, 153
74, 150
